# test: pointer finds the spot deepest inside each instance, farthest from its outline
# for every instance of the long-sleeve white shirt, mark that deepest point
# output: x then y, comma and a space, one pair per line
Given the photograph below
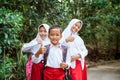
76, 47
31, 47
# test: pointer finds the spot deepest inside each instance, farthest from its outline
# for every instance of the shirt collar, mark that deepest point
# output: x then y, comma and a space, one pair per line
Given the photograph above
59, 46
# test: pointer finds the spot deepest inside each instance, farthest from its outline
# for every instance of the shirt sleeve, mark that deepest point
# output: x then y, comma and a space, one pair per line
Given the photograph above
37, 60
82, 50
27, 46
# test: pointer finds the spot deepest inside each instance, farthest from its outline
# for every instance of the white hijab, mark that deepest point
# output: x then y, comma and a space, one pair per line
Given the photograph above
76, 46
33, 46
46, 28
67, 32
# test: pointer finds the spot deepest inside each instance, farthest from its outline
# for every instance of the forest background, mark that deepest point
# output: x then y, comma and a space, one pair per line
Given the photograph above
19, 20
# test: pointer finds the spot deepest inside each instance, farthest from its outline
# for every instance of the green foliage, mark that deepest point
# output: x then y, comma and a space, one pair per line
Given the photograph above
11, 23
13, 68
6, 67
20, 73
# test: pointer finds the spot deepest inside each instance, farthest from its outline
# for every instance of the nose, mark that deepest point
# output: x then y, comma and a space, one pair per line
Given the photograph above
76, 27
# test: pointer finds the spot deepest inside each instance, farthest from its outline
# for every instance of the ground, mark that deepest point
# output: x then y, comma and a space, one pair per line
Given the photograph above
109, 70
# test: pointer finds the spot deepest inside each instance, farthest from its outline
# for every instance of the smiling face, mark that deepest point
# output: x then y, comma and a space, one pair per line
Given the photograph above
55, 35
76, 27
42, 32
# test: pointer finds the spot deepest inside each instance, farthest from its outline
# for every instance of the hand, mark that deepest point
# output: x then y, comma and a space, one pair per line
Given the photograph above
39, 41
70, 38
63, 65
75, 57
41, 50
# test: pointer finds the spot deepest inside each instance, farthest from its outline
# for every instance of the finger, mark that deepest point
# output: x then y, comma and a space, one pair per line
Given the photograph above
40, 42
72, 38
41, 45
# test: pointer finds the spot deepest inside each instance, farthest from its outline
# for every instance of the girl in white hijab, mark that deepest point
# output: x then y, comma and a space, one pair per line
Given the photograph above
76, 48
33, 47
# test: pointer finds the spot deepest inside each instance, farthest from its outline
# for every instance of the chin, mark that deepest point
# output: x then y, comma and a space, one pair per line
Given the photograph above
43, 38
54, 43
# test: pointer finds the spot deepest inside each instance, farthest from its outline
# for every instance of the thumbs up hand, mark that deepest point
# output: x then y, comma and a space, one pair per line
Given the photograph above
41, 50
70, 38
39, 41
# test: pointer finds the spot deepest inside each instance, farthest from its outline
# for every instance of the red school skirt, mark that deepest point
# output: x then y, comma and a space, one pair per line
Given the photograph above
54, 73
76, 73
37, 71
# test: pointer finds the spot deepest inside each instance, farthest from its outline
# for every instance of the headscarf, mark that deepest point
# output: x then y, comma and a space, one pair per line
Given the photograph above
46, 28
67, 32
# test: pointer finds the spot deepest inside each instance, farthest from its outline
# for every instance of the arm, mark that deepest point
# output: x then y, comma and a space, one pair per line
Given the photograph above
38, 56
37, 59
27, 46
75, 57
82, 49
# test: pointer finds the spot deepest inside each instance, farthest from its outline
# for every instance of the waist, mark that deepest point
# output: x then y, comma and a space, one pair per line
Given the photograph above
47, 67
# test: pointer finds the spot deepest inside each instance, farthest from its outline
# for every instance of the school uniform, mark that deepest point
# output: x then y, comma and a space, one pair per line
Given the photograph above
75, 47
37, 63
52, 68
77, 66
32, 47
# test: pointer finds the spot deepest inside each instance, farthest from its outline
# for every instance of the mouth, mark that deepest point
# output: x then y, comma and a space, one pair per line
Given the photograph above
54, 41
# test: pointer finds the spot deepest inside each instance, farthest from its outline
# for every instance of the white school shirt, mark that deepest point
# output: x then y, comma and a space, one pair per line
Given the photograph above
55, 57
27, 46
34, 46
77, 47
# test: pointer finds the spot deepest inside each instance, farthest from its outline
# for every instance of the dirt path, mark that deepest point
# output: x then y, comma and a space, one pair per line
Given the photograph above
110, 71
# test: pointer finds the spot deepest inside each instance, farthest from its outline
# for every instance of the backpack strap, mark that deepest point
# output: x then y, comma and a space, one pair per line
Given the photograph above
64, 52
46, 53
